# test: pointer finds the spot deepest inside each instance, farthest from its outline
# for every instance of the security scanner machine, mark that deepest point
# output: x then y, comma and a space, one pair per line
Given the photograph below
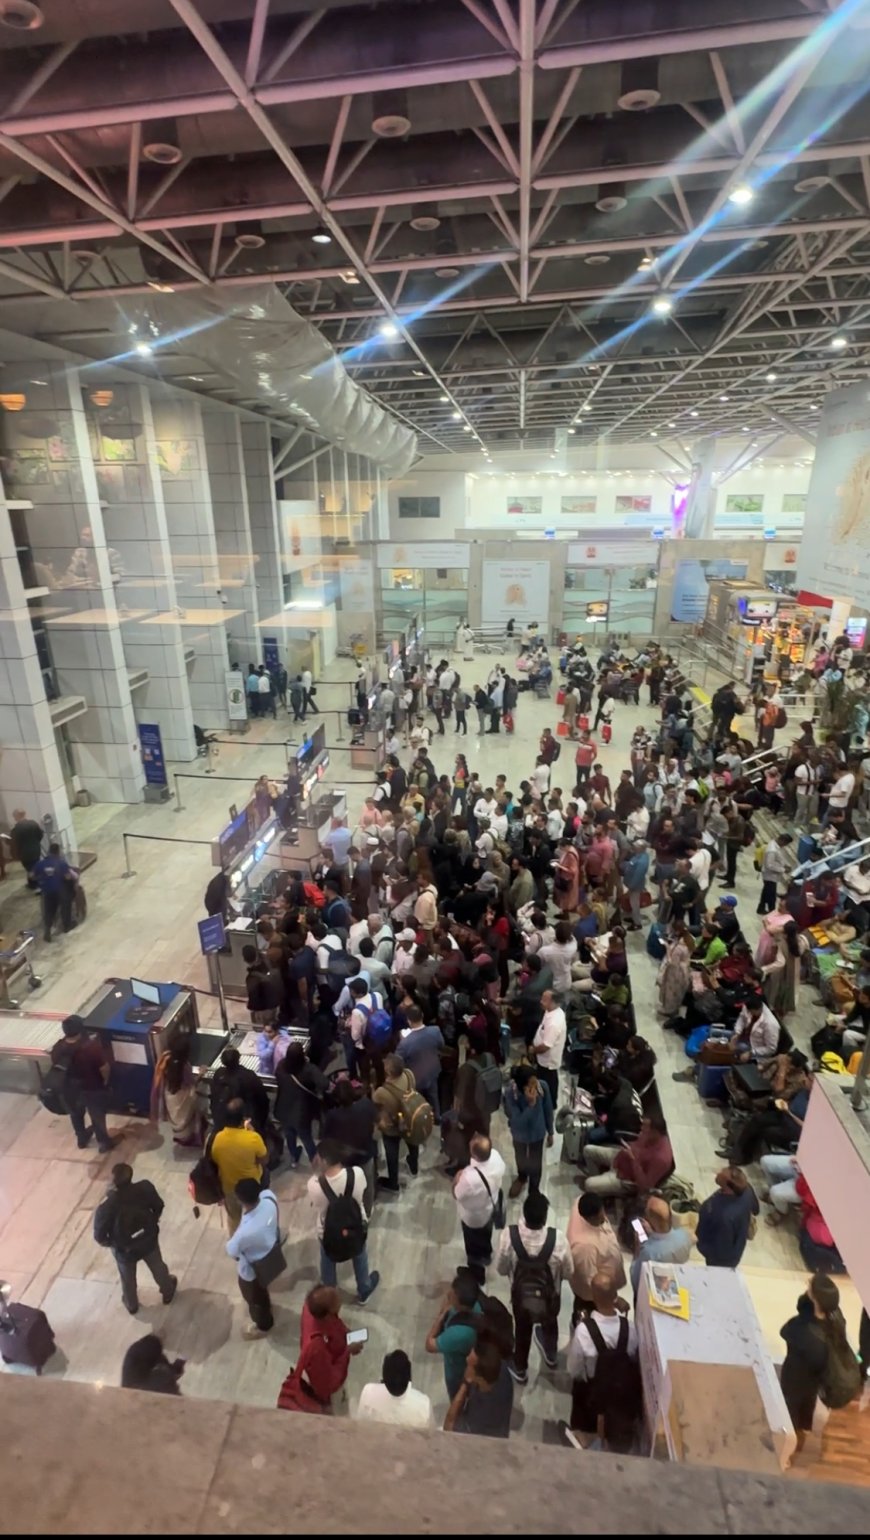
134, 1021
212, 1045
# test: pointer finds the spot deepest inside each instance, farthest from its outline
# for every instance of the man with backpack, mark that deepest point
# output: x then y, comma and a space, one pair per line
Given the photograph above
337, 1195
404, 1114
537, 1260
607, 1397
351, 1122
77, 1083
419, 1049
234, 1082
128, 1223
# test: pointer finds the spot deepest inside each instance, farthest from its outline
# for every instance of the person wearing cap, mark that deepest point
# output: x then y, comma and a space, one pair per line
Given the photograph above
403, 961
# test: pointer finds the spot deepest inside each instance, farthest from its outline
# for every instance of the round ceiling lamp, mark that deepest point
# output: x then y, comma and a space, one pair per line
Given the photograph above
101, 398
611, 198
596, 259
424, 218
811, 183
447, 272
161, 146
639, 85
390, 118
249, 236
21, 15
13, 401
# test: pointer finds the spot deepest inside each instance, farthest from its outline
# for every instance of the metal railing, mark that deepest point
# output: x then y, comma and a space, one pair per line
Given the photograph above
160, 839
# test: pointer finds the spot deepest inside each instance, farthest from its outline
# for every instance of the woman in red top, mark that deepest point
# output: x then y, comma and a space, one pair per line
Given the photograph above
495, 930
324, 1356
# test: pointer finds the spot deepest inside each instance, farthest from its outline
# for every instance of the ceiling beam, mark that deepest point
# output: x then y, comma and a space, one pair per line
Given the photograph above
526, 43
656, 45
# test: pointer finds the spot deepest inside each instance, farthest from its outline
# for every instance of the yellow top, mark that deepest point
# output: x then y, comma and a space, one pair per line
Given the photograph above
235, 1152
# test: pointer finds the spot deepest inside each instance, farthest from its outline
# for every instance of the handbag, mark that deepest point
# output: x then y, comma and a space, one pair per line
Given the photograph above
274, 1263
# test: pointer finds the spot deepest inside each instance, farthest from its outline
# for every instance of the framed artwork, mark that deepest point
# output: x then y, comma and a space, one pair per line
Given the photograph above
176, 456
794, 502
532, 507
118, 451
579, 504
744, 502
627, 502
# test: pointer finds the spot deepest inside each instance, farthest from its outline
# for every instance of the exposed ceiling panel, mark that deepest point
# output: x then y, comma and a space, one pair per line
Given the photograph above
524, 207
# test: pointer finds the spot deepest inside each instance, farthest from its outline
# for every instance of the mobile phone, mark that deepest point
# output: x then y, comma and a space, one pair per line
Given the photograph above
638, 1228
353, 1337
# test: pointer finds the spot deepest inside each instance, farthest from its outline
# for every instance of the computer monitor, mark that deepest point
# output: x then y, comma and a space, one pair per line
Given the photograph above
148, 993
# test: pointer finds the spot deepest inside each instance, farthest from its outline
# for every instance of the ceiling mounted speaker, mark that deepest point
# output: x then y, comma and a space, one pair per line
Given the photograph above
639, 85
423, 217
611, 198
161, 145
390, 118
811, 183
249, 236
20, 15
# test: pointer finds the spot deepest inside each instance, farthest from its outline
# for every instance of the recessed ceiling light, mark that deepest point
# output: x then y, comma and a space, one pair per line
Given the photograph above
144, 349
572, 430
724, 398
741, 195
596, 259
447, 272
20, 15
653, 433
419, 374
811, 183
838, 343
662, 305
813, 406
587, 406
321, 237
744, 430
456, 416
672, 425
693, 414
388, 329
466, 427
644, 264
350, 276
770, 377
443, 398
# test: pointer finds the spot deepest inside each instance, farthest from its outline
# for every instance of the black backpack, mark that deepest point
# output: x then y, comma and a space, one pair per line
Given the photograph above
135, 1231
516, 947
615, 1391
488, 1085
54, 1092
204, 1182
344, 1227
533, 1287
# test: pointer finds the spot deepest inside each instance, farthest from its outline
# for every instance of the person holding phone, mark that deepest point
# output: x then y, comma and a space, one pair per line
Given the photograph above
325, 1351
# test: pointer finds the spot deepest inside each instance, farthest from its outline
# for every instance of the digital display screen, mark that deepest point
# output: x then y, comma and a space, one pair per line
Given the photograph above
757, 609
596, 609
235, 836
309, 751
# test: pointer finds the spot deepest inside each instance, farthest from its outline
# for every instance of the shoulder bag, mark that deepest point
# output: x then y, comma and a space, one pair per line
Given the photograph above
274, 1263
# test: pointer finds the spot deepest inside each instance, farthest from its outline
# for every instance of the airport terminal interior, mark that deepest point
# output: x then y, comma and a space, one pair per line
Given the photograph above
377, 381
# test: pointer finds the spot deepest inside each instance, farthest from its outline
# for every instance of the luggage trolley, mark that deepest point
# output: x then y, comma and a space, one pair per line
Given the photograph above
15, 964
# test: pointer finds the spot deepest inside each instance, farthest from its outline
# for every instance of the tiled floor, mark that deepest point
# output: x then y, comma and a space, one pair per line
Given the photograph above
145, 926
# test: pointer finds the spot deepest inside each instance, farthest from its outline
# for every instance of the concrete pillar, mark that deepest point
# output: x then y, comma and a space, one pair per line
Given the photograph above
31, 776
237, 566
134, 515
269, 541
699, 508
49, 449
181, 457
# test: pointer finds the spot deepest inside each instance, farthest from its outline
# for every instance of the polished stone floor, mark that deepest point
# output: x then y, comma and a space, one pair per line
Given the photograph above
145, 926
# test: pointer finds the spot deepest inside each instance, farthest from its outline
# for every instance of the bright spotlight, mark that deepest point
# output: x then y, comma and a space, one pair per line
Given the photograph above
388, 329
144, 349
663, 305
741, 195
838, 343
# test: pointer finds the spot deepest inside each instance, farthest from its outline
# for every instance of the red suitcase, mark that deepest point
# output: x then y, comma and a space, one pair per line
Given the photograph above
26, 1337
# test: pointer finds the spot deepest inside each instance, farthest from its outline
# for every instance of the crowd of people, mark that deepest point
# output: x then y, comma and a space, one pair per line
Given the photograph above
459, 969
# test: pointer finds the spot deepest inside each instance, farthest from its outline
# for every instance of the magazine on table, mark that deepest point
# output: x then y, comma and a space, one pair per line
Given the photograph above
664, 1291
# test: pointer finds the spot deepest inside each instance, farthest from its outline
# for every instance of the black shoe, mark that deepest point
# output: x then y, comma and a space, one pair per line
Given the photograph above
131, 1309
86, 1139
168, 1298
106, 1149
385, 1186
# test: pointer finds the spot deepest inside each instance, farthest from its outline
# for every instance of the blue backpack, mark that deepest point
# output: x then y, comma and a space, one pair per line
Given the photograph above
379, 1027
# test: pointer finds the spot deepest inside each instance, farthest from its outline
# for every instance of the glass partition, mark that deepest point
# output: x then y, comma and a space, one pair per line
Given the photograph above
622, 597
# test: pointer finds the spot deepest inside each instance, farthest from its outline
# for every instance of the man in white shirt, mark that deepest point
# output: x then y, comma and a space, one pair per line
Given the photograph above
307, 685
637, 823
358, 929
395, 1400
477, 1191
548, 1044
539, 780
332, 1175
612, 1327
838, 797
365, 1000
699, 866
403, 959
498, 823
756, 1032
518, 1244
555, 823
486, 805
485, 842
447, 679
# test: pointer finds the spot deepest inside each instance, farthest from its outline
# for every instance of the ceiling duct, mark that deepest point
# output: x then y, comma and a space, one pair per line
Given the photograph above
639, 85
161, 146
390, 117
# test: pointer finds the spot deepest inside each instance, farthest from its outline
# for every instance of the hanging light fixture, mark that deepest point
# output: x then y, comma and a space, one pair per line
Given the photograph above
102, 397
13, 401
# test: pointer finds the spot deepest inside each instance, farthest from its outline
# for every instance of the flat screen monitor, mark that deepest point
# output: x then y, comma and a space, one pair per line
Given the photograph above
149, 994
309, 750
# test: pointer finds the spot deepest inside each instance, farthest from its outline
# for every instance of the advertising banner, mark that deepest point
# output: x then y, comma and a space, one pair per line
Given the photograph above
356, 586
151, 749
518, 590
835, 551
423, 553
237, 705
691, 582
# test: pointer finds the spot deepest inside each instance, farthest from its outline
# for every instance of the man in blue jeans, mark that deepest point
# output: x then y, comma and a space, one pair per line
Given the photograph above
329, 1165
419, 1049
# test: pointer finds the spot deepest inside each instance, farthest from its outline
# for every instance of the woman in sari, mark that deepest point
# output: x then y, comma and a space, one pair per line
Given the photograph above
674, 973
566, 879
173, 1095
771, 927
782, 974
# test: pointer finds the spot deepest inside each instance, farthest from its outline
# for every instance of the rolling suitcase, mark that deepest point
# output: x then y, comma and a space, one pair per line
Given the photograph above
655, 942
26, 1337
711, 1082
574, 1138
